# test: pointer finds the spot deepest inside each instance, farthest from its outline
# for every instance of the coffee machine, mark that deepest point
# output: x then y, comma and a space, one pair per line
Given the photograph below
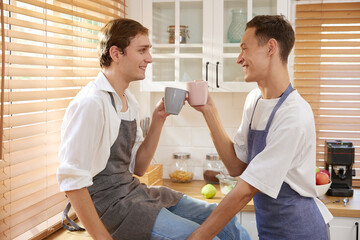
339, 157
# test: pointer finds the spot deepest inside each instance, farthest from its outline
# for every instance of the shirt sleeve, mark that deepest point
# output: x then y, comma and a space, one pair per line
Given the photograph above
267, 171
82, 130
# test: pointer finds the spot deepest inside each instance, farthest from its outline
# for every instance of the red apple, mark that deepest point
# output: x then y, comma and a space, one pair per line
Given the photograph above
325, 171
322, 178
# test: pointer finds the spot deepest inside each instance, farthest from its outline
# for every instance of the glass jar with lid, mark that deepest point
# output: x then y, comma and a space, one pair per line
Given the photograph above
184, 33
181, 171
213, 166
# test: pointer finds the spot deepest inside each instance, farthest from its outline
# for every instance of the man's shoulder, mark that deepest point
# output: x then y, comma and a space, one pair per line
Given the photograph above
297, 110
89, 95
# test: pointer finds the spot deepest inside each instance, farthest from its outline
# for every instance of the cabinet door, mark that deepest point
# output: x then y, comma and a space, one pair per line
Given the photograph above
343, 228
176, 30
227, 36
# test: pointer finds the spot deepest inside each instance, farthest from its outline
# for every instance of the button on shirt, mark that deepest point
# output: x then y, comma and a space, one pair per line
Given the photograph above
90, 127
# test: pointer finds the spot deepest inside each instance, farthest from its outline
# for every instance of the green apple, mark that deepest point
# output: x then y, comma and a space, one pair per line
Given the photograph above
208, 191
317, 170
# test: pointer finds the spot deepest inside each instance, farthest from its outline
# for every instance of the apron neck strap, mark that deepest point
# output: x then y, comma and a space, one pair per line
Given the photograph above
112, 100
277, 106
254, 111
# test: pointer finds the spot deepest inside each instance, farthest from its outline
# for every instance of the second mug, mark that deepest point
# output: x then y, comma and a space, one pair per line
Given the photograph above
198, 92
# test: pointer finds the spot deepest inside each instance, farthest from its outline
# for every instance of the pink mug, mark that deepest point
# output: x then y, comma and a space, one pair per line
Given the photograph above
197, 92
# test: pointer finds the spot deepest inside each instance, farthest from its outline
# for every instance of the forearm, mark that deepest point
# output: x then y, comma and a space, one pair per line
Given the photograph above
223, 144
225, 211
147, 149
85, 210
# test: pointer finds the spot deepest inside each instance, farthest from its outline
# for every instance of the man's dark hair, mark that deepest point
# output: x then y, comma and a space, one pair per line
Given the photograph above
276, 27
117, 32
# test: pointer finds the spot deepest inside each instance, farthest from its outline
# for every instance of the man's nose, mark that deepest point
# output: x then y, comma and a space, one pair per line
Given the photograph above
240, 59
149, 59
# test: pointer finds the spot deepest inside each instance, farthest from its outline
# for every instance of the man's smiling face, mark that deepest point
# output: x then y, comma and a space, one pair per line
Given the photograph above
136, 58
253, 57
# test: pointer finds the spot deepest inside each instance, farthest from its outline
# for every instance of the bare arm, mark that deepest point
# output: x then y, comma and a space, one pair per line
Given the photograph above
225, 211
81, 201
223, 144
147, 149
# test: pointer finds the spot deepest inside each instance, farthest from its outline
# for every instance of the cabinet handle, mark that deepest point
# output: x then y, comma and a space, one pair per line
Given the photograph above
207, 66
217, 74
357, 230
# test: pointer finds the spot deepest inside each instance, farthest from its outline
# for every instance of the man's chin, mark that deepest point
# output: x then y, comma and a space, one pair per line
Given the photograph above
139, 78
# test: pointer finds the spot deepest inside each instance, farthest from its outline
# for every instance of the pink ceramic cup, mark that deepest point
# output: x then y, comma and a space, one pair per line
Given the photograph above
197, 92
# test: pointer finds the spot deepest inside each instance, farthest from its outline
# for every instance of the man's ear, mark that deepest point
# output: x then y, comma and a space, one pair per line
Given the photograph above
115, 53
272, 46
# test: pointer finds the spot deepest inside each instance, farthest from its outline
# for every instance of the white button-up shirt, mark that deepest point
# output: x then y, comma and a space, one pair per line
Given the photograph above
90, 127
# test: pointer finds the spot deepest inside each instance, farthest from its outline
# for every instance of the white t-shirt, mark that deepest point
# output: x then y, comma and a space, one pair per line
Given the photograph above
89, 129
290, 152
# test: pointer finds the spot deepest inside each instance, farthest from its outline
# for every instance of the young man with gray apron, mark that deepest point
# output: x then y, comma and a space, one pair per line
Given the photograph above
274, 149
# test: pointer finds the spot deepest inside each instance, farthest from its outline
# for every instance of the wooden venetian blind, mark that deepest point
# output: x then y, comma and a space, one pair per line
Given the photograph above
327, 71
50, 52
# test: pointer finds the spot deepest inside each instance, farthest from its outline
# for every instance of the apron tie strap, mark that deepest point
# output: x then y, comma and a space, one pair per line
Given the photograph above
73, 225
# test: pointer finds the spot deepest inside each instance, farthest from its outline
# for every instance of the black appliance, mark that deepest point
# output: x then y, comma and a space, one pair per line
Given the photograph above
339, 157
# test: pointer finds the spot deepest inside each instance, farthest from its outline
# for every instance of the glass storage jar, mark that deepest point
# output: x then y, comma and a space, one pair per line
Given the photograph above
184, 33
181, 172
213, 166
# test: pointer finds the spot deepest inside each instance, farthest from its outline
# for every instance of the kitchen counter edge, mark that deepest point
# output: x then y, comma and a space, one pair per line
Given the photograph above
193, 189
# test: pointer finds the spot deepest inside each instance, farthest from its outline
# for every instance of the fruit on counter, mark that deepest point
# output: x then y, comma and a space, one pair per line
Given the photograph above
317, 169
208, 191
322, 178
325, 171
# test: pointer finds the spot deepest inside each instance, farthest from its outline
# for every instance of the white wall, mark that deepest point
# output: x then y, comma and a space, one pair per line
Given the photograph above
188, 132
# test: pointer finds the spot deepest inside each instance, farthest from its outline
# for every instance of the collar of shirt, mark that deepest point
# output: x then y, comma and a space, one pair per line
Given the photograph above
103, 84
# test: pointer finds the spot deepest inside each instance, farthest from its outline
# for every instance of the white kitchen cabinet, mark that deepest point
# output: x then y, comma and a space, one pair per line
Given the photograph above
207, 53
344, 228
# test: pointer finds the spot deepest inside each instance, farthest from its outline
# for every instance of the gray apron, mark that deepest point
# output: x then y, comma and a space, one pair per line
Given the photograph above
127, 207
290, 216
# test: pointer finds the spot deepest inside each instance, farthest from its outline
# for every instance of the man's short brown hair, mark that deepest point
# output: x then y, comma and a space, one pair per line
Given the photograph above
117, 32
276, 27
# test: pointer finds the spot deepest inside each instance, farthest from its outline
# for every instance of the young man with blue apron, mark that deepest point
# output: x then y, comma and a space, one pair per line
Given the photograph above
102, 147
274, 150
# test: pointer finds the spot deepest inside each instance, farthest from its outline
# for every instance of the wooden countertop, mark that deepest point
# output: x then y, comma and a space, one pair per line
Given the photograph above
193, 189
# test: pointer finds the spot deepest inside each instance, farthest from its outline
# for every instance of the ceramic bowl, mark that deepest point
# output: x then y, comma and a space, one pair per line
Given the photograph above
322, 189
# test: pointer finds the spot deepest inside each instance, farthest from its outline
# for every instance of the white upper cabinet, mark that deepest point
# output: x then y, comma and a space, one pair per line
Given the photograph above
200, 39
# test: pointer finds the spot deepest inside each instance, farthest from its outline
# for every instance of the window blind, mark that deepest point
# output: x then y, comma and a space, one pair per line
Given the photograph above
327, 71
49, 51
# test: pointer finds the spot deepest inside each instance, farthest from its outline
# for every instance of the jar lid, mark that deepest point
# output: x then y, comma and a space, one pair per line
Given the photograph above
212, 156
181, 155
181, 26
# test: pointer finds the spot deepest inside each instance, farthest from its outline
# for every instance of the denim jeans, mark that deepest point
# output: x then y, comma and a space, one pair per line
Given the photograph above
179, 221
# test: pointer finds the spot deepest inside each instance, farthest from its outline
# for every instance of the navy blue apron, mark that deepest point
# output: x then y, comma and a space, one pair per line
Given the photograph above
289, 216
